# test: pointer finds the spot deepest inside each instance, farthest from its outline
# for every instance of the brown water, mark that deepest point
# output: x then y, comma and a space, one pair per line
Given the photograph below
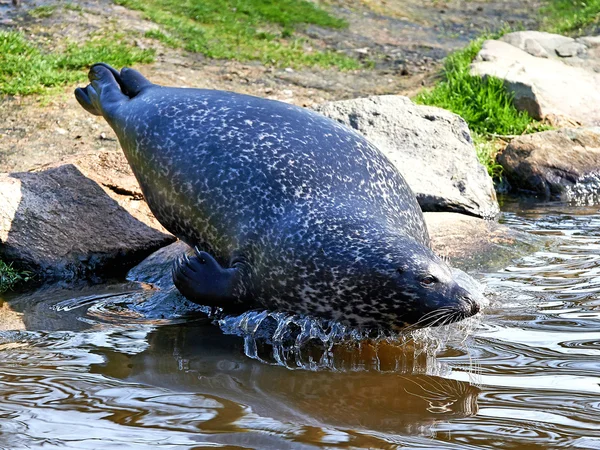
95, 370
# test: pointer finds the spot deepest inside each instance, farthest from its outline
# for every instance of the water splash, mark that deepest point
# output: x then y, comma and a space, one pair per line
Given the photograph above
300, 342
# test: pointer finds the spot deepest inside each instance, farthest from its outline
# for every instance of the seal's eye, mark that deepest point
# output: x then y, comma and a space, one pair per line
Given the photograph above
428, 280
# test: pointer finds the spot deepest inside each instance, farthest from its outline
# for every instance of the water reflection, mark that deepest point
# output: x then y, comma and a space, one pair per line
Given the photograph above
199, 358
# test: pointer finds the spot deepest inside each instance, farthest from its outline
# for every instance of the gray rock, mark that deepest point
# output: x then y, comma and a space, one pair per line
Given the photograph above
548, 41
561, 164
534, 48
570, 49
589, 41
546, 88
61, 224
431, 147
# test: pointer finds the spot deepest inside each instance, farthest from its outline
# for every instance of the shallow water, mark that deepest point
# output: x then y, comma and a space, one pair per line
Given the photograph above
98, 369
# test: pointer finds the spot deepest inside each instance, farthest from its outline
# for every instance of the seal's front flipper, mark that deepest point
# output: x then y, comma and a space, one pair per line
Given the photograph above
201, 279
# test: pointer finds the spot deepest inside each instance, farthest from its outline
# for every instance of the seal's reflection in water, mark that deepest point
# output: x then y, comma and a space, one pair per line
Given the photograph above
197, 357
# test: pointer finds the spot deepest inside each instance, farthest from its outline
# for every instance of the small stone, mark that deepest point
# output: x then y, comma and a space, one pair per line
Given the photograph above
61, 131
287, 92
289, 70
103, 136
570, 49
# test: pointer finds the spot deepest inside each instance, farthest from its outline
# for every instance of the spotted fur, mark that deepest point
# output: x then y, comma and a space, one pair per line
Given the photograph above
325, 225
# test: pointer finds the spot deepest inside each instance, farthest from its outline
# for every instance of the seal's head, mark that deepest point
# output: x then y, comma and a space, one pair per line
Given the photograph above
406, 283
388, 280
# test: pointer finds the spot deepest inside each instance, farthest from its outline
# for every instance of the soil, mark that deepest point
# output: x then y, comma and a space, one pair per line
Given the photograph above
407, 40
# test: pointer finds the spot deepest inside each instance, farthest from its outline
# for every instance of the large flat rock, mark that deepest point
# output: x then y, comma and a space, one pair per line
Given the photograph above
474, 244
431, 147
63, 224
551, 76
562, 164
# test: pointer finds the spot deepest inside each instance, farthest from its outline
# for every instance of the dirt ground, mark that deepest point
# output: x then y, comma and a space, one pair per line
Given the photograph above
407, 39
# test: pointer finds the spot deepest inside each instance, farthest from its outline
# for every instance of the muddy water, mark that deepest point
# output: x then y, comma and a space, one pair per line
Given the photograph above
95, 369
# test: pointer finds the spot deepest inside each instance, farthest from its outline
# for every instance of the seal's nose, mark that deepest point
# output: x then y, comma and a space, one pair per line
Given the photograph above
473, 307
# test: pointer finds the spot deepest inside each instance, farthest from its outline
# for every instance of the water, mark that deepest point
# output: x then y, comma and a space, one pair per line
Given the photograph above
97, 369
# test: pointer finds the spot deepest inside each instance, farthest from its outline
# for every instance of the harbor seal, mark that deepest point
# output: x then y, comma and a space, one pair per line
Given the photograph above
286, 209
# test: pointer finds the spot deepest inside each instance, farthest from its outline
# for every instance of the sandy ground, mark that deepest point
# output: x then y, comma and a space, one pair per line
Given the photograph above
407, 39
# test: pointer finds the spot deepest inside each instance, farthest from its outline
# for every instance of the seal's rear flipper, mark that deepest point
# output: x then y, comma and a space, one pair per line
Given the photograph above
108, 88
201, 279
132, 82
103, 95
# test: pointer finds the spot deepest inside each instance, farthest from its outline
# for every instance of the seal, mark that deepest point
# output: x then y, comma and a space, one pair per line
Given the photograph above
286, 209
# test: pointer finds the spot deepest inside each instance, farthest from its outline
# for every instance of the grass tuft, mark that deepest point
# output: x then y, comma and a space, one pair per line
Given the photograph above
484, 103
244, 30
10, 277
571, 16
25, 69
43, 11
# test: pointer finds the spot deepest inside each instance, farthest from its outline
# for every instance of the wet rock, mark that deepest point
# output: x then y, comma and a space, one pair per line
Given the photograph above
62, 224
471, 243
562, 164
431, 147
165, 300
551, 76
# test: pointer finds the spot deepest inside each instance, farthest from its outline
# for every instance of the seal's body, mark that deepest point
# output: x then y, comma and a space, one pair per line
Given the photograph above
288, 210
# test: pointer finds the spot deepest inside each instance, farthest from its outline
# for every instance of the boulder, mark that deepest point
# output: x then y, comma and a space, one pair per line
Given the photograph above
431, 147
562, 164
552, 77
474, 244
63, 224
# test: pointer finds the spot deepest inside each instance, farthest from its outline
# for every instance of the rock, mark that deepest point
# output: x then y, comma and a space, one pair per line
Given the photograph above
156, 268
589, 41
61, 224
165, 301
535, 49
570, 49
551, 76
431, 147
536, 39
563, 163
471, 243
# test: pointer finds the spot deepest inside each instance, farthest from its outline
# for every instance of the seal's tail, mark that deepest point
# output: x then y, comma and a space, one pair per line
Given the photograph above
108, 88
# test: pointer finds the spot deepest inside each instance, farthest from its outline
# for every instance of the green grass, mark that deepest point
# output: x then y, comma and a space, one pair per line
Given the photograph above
571, 16
485, 104
10, 277
244, 30
42, 11
26, 69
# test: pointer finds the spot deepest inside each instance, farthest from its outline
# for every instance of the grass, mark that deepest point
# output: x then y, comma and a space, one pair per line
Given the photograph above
27, 69
485, 104
571, 16
42, 11
244, 30
10, 277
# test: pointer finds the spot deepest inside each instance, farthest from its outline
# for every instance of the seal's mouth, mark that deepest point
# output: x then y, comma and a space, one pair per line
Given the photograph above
467, 307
